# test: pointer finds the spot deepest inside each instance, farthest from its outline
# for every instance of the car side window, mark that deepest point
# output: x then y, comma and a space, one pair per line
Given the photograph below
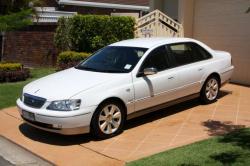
156, 59
181, 53
200, 53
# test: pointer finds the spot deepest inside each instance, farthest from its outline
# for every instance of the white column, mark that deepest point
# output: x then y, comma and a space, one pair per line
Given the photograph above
186, 16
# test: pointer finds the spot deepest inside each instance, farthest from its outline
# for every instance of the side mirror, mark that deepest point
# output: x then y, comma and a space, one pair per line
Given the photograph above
149, 71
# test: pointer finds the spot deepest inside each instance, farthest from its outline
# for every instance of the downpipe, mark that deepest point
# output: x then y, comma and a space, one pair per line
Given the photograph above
2, 46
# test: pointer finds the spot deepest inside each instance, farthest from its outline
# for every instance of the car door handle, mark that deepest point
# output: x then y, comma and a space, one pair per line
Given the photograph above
170, 78
200, 69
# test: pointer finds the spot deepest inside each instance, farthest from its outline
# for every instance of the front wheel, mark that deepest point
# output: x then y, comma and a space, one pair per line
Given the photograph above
108, 120
210, 90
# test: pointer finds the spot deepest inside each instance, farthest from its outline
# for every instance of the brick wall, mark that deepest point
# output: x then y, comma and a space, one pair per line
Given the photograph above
32, 47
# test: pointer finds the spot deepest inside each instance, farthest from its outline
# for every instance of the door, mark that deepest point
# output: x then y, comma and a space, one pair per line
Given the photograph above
158, 88
190, 61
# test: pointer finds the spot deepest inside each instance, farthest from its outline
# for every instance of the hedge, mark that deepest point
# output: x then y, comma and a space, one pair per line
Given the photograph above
10, 72
10, 66
69, 59
88, 33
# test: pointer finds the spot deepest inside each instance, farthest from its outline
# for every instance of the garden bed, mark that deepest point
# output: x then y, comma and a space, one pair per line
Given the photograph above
10, 91
12, 72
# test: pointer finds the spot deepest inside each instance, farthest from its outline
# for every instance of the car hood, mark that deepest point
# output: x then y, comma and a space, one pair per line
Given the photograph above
67, 83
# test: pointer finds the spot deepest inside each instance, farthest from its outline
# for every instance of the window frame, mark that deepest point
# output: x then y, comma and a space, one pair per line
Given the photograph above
197, 47
193, 46
166, 57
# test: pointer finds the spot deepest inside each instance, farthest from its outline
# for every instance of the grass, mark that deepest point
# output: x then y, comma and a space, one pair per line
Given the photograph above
9, 92
231, 149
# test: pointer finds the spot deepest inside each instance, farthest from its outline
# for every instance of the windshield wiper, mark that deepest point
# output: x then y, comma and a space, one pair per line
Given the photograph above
85, 68
99, 70
112, 71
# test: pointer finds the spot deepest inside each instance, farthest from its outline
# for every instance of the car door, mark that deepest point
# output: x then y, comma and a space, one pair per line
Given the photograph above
190, 65
158, 88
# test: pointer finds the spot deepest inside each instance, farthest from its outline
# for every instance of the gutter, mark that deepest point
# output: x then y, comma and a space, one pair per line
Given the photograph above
103, 5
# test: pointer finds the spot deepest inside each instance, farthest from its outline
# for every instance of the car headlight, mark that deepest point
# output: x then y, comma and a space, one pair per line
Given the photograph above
65, 105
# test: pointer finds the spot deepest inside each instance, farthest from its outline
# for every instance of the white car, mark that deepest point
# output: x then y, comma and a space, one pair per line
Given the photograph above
124, 80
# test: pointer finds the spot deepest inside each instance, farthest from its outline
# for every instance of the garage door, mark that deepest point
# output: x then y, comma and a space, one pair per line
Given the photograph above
225, 25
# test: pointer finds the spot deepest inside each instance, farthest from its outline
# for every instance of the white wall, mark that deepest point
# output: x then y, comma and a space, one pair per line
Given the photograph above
222, 24
225, 25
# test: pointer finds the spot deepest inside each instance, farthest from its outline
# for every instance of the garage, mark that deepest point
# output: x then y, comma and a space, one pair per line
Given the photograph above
226, 28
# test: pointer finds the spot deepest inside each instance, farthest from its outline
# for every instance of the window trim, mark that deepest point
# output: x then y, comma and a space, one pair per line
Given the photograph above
193, 44
197, 46
139, 74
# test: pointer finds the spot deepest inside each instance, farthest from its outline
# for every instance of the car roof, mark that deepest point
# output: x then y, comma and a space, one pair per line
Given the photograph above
151, 42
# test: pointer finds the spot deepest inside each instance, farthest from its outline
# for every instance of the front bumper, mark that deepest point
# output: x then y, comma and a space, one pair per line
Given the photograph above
66, 123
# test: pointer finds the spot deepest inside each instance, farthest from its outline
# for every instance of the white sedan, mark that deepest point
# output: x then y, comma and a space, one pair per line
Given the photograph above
122, 81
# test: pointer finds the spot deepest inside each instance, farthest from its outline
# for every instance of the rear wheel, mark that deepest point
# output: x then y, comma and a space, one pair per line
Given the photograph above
210, 90
108, 120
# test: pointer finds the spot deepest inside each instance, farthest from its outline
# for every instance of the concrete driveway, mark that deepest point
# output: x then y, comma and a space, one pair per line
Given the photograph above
159, 131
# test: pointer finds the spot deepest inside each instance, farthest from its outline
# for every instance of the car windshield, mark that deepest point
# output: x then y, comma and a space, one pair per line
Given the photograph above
113, 59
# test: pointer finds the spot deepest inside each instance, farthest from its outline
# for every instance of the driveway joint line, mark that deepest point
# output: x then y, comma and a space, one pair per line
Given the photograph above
181, 127
13, 116
111, 143
143, 140
100, 153
215, 110
238, 108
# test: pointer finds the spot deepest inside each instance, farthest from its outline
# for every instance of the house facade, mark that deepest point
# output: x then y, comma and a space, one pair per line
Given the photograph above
105, 7
223, 25
34, 46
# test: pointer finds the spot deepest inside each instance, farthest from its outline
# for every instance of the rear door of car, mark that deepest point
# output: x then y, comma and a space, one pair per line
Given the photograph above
191, 62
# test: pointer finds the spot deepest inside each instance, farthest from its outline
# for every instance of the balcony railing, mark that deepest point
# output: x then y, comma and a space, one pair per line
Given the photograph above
51, 16
158, 24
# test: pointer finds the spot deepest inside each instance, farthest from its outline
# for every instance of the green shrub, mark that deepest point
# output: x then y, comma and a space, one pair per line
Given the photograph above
10, 66
10, 72
88, 33
69, 59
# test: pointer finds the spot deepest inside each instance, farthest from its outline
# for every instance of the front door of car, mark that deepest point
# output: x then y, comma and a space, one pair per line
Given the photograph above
155, 89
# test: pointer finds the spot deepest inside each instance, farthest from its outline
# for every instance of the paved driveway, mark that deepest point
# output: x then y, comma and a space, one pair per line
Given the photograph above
165, 129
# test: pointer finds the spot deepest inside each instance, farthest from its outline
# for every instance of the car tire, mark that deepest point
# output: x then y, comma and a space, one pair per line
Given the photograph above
210, 90
108, 120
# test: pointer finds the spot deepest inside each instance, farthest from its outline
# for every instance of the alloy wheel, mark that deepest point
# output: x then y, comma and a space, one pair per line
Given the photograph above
110, 119
212, 88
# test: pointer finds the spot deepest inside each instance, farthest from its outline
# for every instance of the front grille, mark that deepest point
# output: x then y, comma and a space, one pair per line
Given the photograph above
33, 101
